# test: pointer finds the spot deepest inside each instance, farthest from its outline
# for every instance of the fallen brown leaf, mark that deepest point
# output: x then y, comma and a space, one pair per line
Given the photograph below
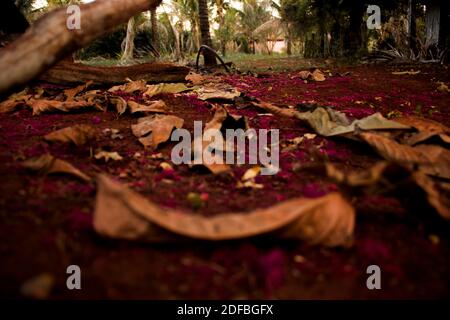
119, 103
410, 73
130, 87
155, 129
14, 101
71, 93
430, 159
426, 130
436, 198
195, 78
317, 76
153, 90
443, 88
47, 164
40, 106
78, 134
38, 287
212, 93
105, 155
357, 179
157, 106
123, 213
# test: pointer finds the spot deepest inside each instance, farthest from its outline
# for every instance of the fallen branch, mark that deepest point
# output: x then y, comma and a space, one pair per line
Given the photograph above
73, 73
49, 40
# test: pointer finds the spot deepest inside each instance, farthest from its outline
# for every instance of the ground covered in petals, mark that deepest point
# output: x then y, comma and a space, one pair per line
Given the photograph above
46, 220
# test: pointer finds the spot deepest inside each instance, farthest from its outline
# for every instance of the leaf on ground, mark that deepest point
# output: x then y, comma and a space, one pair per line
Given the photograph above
157, 106
317, 76
212, 93
130, 87
40, 106
78, 134
15, 100
196, 78
284, 112
304, 75
105, 155
38, 287
443, 88
410, 73
328, 122
426, 128
47, 164
249, 184
437, 199
430, 159
123, 213
357, 179
119, 103
155, 89
71, 93
155, 129
221, 121
251, 173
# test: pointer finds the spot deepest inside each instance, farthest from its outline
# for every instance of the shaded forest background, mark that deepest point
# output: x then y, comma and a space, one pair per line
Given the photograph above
411, 29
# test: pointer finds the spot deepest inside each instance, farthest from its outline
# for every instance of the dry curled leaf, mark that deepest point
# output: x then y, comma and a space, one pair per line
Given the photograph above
251, 173
78, 134
211, 93
317, 76
47, 164
195, 78
430, 159
304, 75
443, 88
105, 155
71, 93
221, 121
153, 90
38, 287
40, 106
426, 129
14, 101
123, 213
357, 179
119, 103
130, 87
409, 73
155, 129
157, 106
436, 199
329, 122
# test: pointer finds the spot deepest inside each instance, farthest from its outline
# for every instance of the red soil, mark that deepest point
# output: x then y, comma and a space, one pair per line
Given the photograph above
46, 222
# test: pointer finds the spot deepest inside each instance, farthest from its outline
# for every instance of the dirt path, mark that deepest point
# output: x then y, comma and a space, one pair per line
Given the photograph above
46, 222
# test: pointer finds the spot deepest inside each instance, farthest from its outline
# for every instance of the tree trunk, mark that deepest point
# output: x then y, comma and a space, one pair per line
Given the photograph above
353, 37
433, 22
177, 39
412, 26
210, 58
154, 23
48, 40
128, 44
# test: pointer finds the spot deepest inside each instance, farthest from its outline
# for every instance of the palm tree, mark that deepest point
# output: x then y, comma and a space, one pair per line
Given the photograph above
203, 15
154, 23
253, 15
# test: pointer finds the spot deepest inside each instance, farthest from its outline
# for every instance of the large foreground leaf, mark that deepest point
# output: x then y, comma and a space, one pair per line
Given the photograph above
122, 213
